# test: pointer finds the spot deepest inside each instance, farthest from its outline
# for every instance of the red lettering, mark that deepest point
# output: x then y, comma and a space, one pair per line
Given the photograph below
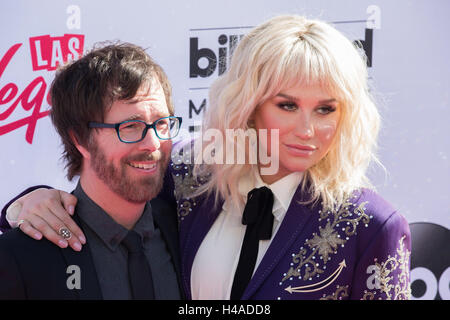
46, 54
58, 57
49, 52
27, 104
30, 121
28, 101
10, 88
8, 55
74, 44
40, 50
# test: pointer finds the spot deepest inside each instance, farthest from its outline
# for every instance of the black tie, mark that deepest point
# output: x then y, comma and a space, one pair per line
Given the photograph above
259, 220
139, 271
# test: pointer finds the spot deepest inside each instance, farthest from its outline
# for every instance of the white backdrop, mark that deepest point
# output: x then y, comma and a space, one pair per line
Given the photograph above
410, 71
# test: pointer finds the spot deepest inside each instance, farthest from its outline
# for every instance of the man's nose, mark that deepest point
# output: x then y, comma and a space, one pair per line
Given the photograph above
150, 142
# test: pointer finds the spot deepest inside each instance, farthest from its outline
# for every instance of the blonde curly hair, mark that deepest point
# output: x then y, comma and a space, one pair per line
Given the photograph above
289, 50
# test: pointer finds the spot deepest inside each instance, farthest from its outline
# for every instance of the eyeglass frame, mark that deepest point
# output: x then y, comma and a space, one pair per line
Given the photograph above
93, 124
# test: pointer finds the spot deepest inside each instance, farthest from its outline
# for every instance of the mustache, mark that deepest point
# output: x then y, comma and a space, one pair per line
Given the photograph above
152, 156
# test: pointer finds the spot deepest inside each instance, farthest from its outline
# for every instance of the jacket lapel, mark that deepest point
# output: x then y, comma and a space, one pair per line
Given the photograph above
166, 219
204, 218
90, 287
294, 222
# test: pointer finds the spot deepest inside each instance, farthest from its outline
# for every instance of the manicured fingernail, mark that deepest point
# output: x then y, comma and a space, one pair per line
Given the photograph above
63, 243
38, 236
71, 210
82, 239
77, 246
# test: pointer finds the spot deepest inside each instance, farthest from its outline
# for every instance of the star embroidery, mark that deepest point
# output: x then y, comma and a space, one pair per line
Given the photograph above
326, 243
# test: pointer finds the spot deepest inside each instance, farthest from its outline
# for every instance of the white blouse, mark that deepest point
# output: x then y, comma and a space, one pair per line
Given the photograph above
216, 260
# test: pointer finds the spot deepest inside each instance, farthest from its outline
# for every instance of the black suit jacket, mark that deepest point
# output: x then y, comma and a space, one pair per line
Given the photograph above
31, 269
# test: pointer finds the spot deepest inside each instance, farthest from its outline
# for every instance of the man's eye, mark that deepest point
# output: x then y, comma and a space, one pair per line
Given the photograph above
162, 125
129, 126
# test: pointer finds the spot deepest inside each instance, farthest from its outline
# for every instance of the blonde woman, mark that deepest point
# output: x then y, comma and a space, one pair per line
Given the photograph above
314, 228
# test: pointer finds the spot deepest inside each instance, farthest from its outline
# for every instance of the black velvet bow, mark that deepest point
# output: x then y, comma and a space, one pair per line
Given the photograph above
258, 212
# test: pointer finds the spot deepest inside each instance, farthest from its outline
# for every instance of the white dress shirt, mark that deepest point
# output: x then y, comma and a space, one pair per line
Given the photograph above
216, 260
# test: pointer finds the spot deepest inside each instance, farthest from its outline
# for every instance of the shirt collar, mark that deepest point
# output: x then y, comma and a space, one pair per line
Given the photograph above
283, 190
110, 232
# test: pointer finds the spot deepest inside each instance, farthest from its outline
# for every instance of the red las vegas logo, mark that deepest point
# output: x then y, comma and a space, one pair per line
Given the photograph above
46, 54
49, 52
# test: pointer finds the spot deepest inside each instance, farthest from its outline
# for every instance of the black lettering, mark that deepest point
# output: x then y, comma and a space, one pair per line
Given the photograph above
233, 43
367, 45
193, 108
196, 55
194, 128
222, 54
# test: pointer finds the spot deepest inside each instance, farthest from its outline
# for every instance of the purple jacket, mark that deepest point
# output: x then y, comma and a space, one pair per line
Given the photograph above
361, 251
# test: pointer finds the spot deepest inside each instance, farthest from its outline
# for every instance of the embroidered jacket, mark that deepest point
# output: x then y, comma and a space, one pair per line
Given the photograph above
360, 251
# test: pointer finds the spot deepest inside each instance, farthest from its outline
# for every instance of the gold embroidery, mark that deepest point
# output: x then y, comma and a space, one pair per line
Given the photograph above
330, 237
403, 289
318, 286
369, 295
399, 290
327, 242
341, 292
183, 180
185, 184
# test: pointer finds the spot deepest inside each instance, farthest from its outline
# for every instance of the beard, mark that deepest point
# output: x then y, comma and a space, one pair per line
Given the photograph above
122, 183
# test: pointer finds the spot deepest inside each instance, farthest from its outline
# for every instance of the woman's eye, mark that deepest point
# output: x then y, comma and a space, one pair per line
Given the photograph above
326, 109
288, 106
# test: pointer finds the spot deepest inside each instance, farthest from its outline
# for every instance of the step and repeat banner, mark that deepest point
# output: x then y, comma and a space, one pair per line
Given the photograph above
406, 43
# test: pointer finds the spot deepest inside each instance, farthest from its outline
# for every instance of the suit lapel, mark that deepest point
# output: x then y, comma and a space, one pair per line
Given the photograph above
90, 287
165, 218
204, 218
292, 226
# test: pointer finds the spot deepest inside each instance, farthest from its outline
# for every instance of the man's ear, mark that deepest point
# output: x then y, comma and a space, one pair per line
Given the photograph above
81, 149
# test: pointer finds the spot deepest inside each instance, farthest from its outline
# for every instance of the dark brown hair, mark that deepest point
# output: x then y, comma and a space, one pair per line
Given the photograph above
85, 89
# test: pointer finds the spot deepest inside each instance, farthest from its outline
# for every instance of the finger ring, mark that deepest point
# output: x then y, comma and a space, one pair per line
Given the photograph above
65, 233
20, 222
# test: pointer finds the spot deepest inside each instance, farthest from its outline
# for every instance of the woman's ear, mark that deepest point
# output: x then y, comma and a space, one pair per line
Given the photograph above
81, 149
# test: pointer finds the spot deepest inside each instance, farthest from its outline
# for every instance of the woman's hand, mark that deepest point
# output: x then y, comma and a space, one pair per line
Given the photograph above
44, 212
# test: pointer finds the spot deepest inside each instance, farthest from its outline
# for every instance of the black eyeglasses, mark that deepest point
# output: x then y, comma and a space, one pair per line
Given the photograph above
131, 131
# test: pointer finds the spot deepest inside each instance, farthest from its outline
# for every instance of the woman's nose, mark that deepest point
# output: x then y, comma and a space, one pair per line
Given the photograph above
305, 128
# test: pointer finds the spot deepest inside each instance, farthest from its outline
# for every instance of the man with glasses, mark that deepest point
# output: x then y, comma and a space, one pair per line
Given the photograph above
113, 111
